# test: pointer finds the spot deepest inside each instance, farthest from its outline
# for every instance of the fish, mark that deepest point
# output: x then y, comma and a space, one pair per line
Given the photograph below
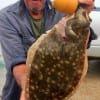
57, 61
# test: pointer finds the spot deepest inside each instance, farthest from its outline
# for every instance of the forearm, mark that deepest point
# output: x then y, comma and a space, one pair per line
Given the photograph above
19, 72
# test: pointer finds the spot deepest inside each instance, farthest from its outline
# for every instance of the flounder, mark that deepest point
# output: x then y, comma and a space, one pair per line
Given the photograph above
56, 62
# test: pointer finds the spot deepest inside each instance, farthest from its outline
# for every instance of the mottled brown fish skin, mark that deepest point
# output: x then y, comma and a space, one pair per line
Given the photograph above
58, 64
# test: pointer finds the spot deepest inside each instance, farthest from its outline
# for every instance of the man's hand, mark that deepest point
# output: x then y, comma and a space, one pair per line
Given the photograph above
87, 4
22, 97
19, 72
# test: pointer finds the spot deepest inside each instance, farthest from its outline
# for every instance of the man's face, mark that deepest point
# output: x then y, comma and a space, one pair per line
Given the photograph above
35, 5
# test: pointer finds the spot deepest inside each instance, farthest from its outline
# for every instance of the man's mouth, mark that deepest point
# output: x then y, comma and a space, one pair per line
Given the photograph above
36, 0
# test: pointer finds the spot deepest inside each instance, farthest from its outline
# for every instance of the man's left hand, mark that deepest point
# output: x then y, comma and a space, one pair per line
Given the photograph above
87, 4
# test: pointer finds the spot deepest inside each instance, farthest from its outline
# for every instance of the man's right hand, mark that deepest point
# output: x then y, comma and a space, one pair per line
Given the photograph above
19, 72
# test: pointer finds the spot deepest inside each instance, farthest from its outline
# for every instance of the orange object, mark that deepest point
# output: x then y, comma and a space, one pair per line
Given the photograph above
65, 6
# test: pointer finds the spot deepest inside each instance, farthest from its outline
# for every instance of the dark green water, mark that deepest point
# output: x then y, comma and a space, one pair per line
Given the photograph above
1, 62
2, 65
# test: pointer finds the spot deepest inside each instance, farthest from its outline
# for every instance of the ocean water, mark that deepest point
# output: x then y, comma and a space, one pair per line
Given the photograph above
2, 64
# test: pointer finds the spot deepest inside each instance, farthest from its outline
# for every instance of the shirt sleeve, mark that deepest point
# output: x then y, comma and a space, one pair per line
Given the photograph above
11, 44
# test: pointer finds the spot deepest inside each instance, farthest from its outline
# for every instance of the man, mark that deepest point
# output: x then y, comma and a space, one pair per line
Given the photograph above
20, 25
